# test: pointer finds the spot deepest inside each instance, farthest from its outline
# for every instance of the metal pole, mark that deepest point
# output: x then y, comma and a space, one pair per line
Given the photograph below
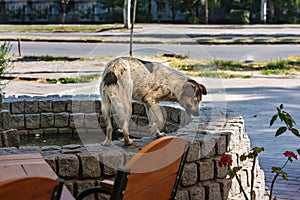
132, 26
19, 47
263, 11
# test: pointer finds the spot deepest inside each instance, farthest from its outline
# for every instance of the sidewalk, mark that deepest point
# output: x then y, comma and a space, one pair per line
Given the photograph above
174, 34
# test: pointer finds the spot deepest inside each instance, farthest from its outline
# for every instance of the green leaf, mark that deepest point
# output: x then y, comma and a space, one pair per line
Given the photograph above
295, 132
258, 149
298, 150
250, 155
281, 116
243, 157
276, 170
273, 120
285, 177
278, 110
231, 173
280, 131
281, 106
288, 120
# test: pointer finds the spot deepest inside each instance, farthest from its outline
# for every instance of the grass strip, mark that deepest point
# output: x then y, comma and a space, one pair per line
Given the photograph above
60, 28
48, 58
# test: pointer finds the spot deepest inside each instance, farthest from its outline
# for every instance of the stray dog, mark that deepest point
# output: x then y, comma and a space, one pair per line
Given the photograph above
128, 78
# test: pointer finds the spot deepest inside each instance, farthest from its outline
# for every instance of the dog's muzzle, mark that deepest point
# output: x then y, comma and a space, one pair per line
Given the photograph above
193, 112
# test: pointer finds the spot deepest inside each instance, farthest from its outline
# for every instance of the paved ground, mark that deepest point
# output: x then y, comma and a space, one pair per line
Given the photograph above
255, 99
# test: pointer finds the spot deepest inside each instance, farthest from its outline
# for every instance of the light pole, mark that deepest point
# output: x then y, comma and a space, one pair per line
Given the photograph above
127, 13
263, 9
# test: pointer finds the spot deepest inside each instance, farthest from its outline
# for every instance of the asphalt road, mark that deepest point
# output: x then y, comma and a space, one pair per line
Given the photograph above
231, 52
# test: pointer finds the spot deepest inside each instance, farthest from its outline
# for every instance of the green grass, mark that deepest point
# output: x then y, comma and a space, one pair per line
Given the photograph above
219, 68
271, 71
80, 79
52, 58
216, 74
230, 65
60, 28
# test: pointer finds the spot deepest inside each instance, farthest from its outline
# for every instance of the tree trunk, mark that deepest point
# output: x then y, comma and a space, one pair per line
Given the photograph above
149, 16
272, 10
206, 12
132, 26
126, 13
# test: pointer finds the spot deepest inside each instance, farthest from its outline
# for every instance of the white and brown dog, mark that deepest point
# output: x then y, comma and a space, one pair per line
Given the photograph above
128, 78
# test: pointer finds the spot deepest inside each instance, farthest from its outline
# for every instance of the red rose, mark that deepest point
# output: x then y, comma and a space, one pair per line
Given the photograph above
225, 160
290, 154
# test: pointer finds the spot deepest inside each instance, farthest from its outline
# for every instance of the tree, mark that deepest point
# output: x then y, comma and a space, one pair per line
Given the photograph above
4, 62
126, 13
64, 4
161, 7
206, 12
175, 6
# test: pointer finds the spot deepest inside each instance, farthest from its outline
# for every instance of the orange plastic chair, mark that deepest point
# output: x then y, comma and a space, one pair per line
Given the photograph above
31, 188
153, 173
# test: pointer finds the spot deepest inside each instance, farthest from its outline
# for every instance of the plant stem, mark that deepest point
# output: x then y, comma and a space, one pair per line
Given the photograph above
274, 179
252, 176
240, 184
272, 185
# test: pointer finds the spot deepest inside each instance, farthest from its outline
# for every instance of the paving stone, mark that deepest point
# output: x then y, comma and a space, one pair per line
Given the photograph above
189, 175
214, 192
68, 165
182, 195
59, 106
18, 121
47, 120
10, 138
207, 170
45, 106
90, 166
194, 152
61, 119
31, 107
197, 193
5, 120
17, 107
32, 121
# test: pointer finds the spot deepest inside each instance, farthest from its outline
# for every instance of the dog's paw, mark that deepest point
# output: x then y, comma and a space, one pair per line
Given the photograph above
128, 142
160, 134
106, 143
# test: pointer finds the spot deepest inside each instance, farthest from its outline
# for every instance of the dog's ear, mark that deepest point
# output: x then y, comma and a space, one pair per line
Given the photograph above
199, 89
202, 89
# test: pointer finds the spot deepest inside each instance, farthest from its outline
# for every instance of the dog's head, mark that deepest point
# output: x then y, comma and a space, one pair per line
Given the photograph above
191, 96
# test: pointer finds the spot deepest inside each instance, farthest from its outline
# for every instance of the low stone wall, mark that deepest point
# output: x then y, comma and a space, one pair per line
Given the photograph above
213, 134
8, 135
77, 114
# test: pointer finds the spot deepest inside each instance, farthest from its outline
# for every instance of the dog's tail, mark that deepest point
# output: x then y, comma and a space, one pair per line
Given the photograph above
110, 79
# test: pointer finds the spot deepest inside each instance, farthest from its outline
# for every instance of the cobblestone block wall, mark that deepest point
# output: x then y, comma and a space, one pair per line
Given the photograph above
70, 114
8, 135
213, 134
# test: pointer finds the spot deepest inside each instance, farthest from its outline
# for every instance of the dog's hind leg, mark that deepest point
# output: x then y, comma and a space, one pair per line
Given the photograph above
123, 109
106, 111
156, 119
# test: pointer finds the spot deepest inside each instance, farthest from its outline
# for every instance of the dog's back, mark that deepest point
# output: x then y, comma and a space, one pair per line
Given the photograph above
148, 78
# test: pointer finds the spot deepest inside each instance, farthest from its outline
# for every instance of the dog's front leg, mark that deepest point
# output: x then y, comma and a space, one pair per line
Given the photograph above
156, 119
